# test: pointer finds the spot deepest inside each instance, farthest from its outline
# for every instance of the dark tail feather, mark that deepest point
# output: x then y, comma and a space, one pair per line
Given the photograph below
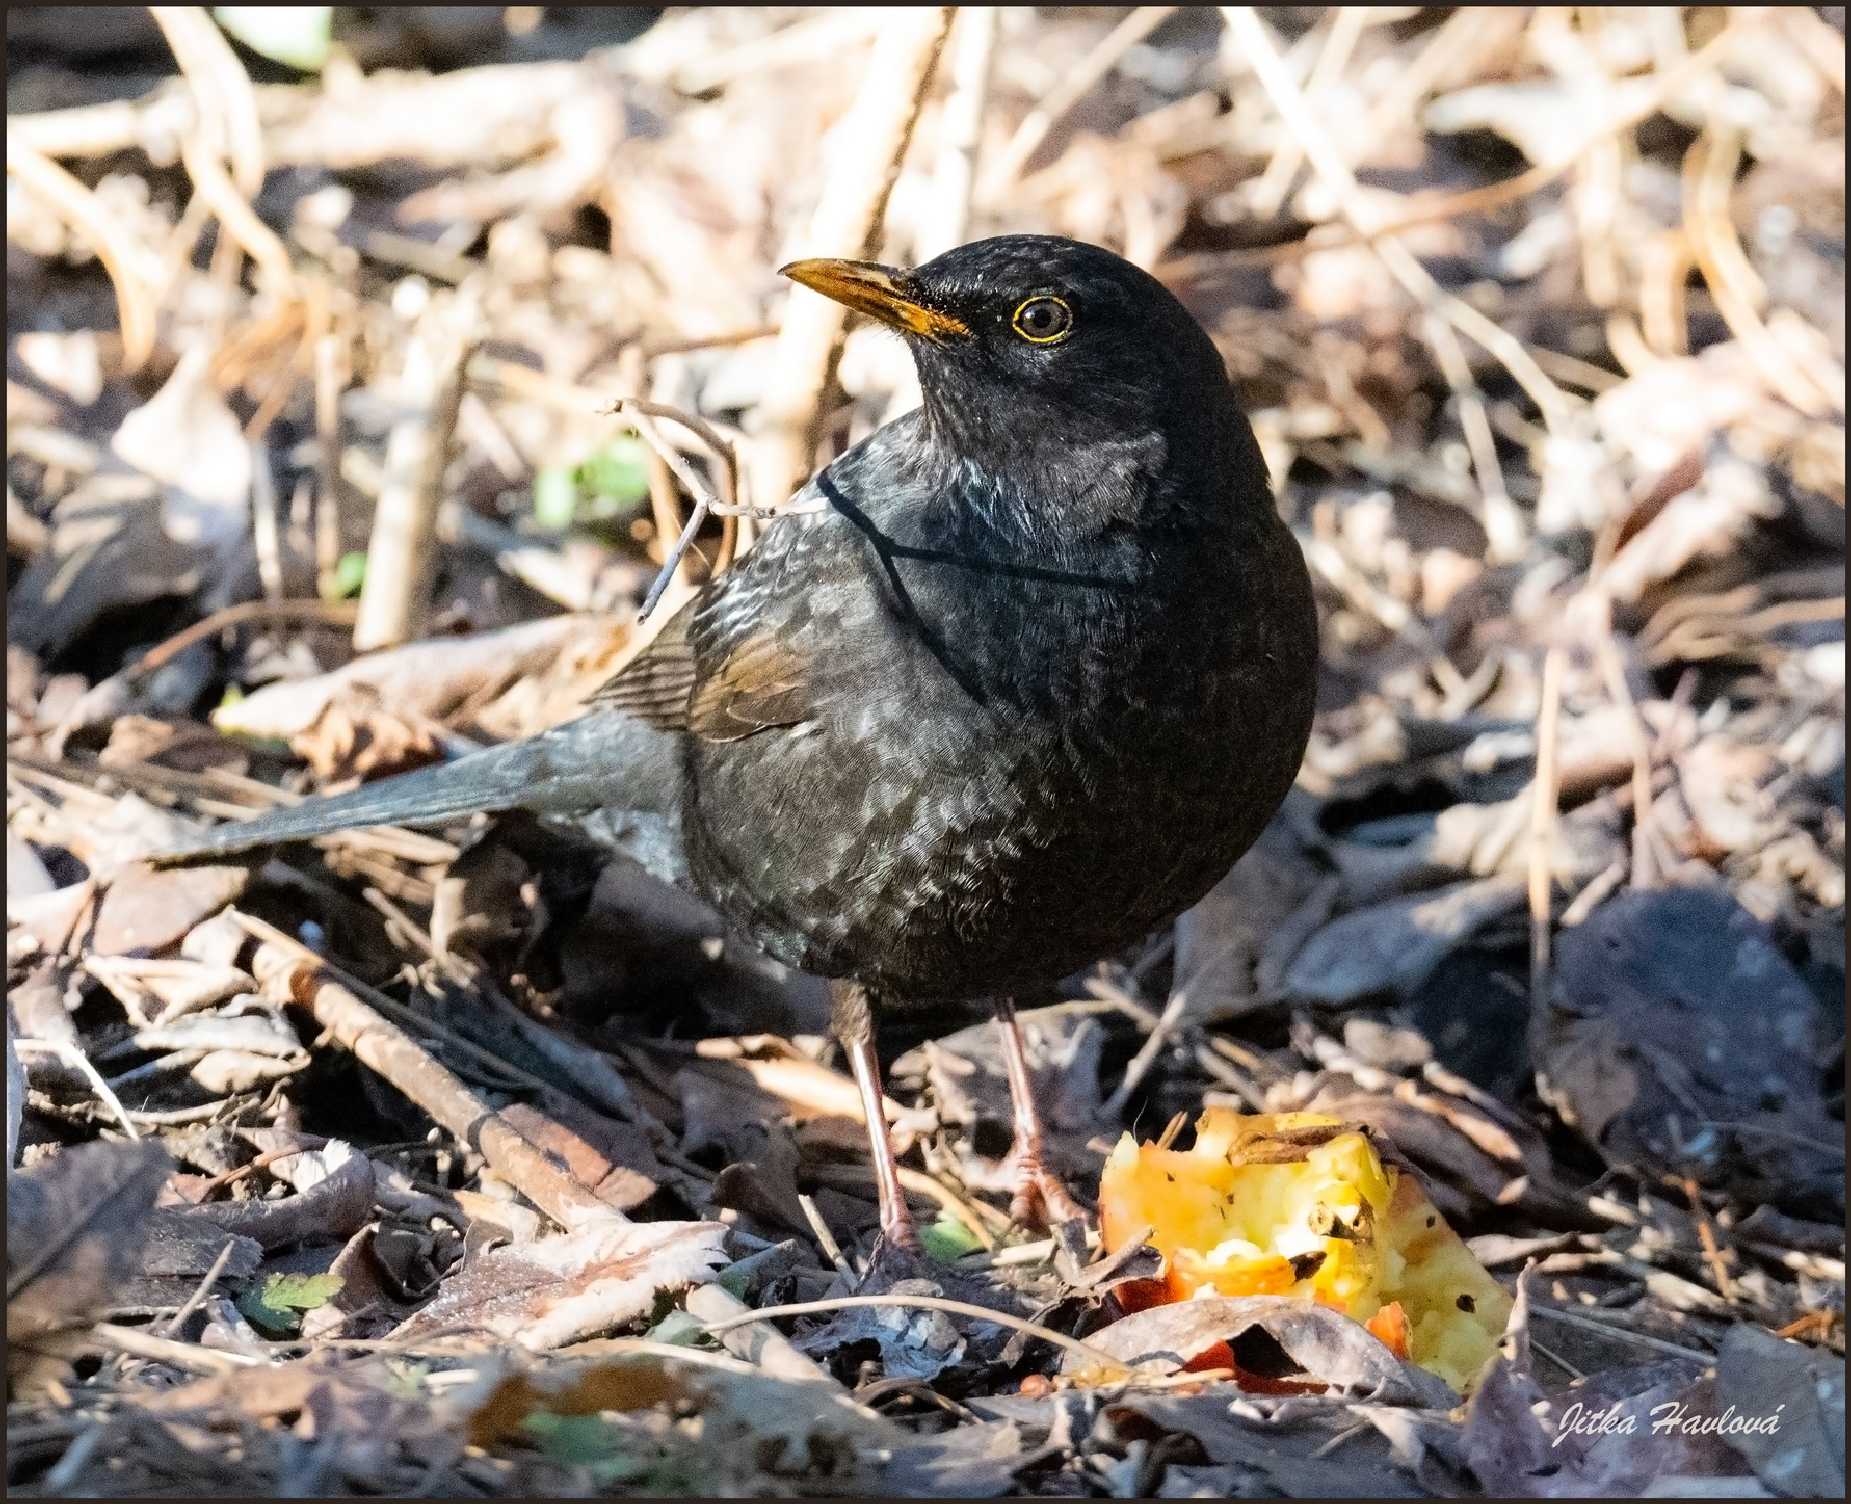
598, 760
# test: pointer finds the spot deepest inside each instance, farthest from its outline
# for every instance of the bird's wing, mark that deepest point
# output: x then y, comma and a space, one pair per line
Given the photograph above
729, 664
656, 685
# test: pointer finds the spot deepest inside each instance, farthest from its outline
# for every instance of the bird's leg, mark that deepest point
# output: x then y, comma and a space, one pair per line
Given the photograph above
853, 1021
1040, 1196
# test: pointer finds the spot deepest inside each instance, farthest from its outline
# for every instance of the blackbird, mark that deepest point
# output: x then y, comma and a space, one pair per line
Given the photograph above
1008, 684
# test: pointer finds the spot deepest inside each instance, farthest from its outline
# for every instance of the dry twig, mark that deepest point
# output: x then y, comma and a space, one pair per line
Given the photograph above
1254, 37
1096, 1356
1544, 797
384, 1047
74, 1057
122, 256
1072, 88
864, 153
399, 557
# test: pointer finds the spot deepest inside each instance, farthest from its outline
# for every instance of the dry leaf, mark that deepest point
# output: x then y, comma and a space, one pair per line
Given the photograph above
334, 1198
1648, 1046
172, 518
147, 908
448, 681
76, 1227
1323, 1346
572, 1285
1391, 948
1757, 1374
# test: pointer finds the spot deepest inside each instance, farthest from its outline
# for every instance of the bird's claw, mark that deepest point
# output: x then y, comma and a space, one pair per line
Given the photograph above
1041, 1199
897, 1256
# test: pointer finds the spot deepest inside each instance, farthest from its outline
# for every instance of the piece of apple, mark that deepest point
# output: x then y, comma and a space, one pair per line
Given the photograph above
1300, 1205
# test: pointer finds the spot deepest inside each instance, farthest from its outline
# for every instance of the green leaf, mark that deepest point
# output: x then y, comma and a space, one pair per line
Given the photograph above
297, 36
277, 1305
681, 1328
587, 1441
618, 474
948, 1238
555, 498
349, 576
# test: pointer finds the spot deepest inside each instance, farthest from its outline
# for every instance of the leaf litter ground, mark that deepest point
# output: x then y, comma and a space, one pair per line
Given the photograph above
441, 1162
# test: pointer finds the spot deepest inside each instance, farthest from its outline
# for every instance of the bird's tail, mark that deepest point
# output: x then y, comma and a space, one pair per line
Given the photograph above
602, 759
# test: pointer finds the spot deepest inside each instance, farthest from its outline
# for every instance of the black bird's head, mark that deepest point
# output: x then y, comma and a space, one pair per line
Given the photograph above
1063, 365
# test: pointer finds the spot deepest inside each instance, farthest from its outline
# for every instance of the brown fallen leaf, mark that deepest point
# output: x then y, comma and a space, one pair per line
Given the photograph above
573, 1285
76, 1227
334, 1197
1323, 1346
614, 1160
455, 681
1645, 1046
146, 908
1391, 947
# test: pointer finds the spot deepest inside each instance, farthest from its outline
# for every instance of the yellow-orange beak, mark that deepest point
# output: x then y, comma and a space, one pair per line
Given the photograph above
879, 291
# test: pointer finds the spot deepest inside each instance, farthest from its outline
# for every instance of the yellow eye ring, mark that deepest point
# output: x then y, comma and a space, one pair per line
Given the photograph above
1043, 319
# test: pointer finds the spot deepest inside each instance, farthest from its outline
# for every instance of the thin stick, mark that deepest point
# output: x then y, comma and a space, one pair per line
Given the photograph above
1504, 530
60, 1481
1288, 99
1072, 88
385, 1048
328, 380
1154, 1044
718, 444
78, 1061
866, 148
671, 561
1542, 823
225, 130
975, 1215
960, 129
1613, 670
121, 254
333, 613
825, 1239
266, 528
137, 1343
1041, 1252
705, 502
768, 1348
201, 1290
1706, 1236
224, 104
1621, 1334
261, 1162
251, 235
1346, 27
1073, 1345
1709, 179
400, 550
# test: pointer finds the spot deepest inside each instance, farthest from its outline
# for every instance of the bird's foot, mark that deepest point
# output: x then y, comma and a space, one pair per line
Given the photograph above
1041, 1199
898, 1256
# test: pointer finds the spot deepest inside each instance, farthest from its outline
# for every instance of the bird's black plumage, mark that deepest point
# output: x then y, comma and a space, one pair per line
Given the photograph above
1017, 678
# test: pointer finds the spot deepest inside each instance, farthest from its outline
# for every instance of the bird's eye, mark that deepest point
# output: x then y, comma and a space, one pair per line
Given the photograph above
1043, 320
